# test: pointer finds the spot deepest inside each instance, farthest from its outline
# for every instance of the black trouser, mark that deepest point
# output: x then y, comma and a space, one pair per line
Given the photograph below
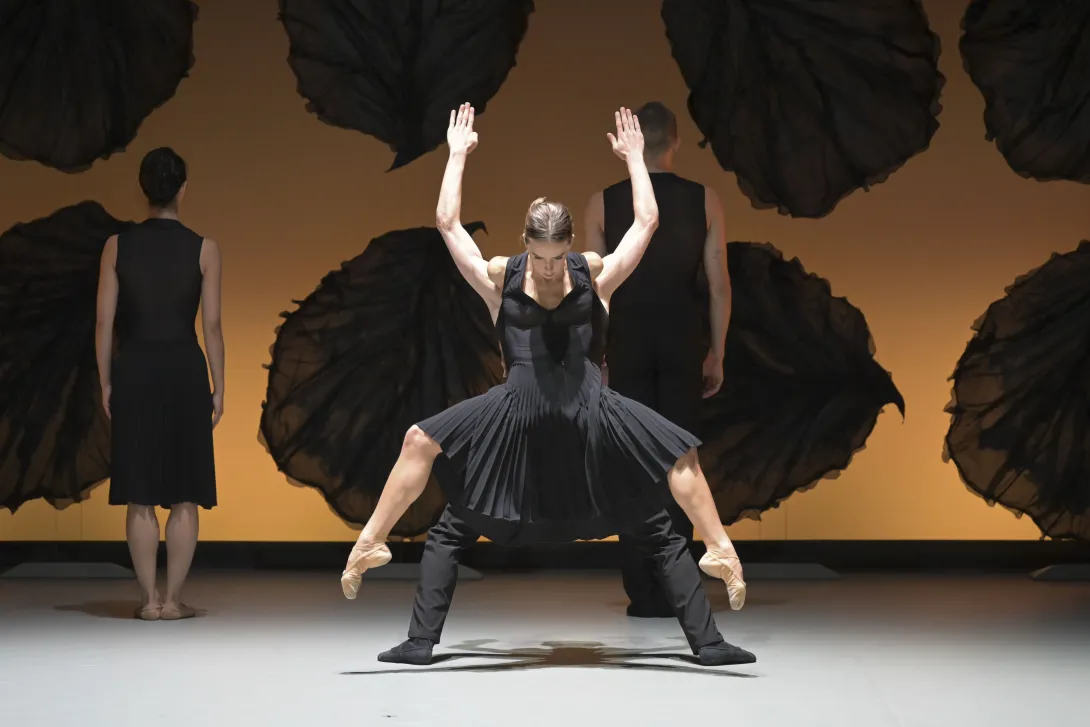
662, 369
656, 539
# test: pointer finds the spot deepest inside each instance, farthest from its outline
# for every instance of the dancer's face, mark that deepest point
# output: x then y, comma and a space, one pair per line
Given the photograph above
548, 259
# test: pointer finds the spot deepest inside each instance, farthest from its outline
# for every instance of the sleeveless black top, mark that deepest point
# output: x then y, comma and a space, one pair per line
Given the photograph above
663, 285
159, 282
556, 345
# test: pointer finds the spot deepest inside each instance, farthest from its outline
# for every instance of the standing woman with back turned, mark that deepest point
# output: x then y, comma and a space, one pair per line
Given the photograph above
154, 277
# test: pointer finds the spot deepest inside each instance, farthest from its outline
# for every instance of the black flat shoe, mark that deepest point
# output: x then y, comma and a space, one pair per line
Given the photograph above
722, 654
413, 651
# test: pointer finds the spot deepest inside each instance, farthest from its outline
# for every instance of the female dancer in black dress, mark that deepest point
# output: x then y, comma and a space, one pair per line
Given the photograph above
155, 388
551, 454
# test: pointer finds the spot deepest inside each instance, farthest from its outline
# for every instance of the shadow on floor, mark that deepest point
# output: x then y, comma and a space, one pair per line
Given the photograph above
721, 602
559, 654
112, 609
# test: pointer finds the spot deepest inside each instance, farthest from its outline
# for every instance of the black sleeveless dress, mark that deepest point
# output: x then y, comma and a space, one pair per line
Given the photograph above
552, 454
161, 402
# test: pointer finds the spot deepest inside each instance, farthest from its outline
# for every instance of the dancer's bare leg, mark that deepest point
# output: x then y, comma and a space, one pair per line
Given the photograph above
142, 534
406, 482
182, 528
690, 489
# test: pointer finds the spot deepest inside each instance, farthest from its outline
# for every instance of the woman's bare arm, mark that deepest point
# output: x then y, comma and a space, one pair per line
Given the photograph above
106, 311
618, 265
486, 277
212, 272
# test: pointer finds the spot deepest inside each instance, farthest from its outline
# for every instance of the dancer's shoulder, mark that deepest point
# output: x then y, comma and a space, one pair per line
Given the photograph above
497, 269
594, 263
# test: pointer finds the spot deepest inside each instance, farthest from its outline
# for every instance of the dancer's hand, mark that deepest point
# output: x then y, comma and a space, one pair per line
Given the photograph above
107, 392
461, 138
713, 374
628, 143
217, 408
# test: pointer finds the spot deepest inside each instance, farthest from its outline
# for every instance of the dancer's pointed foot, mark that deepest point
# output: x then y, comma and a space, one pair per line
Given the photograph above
722, 654
413, 651
726, 566
364, 555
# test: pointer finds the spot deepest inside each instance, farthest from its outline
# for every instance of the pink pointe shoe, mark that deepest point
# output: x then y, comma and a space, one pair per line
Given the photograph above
362, 557
718, 564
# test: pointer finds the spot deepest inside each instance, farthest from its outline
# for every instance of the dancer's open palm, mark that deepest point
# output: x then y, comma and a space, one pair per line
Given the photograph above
629, 138
460, 134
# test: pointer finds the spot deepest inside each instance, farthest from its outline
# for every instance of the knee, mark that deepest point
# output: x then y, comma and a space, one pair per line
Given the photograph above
142, 512
687, 464
418, 443
686, 472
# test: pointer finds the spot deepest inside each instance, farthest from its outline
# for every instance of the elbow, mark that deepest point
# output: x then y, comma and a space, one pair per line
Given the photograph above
719, 292
445, 222
213, 330
649, 219
103, 331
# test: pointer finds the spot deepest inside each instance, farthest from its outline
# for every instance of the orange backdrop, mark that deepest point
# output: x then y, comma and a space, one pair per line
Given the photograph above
288, 198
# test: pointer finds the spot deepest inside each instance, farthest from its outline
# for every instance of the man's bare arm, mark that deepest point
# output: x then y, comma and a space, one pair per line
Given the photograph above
715, 266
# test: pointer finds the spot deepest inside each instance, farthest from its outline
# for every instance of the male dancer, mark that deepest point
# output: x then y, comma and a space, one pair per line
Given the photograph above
653, 352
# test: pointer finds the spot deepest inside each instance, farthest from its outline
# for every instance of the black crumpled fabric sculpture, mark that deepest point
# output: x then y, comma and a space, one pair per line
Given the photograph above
1020, 413
801, 390
392, 337
395, 70
77, 79
54, 434
1031, 61
808, 100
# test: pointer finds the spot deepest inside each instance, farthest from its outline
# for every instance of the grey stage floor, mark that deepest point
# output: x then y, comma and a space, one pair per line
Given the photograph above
547, 649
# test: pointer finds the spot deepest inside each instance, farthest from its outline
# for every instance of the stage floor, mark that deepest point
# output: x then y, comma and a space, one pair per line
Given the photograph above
550, 648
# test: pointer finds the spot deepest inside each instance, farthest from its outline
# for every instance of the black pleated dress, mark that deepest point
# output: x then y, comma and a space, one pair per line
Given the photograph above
552, 454
161, 402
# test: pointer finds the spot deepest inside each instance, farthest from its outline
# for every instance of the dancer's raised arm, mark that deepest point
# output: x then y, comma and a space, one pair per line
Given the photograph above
486, 277
613, 269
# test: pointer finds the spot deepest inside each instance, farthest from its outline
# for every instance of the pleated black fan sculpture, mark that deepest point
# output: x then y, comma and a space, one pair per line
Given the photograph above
1020, 414
394, 70
801, 392
808, 101
392, 337
54, 435
1031, 61
77, 79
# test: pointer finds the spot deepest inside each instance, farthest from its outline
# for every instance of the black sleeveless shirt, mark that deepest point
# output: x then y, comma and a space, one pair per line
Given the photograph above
662, 288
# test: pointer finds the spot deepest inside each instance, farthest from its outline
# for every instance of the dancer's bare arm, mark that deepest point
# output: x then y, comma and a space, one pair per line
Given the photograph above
211, 277
715, 266
106, 309
618, 265
486, 277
